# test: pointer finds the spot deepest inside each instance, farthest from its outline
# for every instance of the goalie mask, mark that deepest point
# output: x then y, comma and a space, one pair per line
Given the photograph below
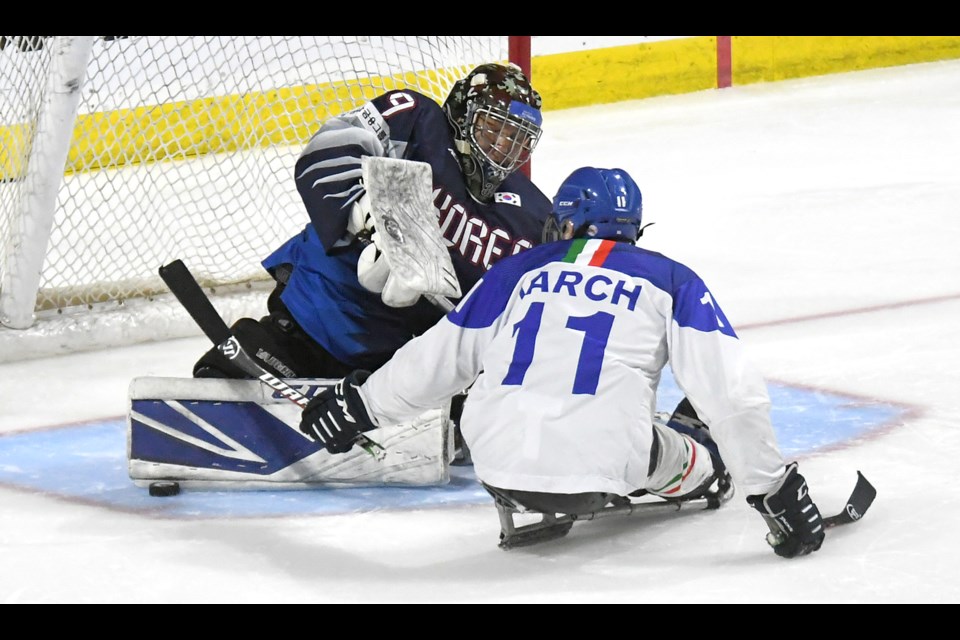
596, 203
495, 114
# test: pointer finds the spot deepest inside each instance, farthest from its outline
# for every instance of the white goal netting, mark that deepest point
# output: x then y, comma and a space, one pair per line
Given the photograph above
177, 147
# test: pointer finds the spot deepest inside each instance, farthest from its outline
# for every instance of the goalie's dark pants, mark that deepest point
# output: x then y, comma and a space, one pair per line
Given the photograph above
278, 344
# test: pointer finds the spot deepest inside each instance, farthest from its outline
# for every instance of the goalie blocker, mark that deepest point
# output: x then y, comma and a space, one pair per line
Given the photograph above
239, 434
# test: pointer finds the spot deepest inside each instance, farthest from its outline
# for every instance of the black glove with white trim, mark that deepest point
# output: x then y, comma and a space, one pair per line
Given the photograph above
337, 416
796, 527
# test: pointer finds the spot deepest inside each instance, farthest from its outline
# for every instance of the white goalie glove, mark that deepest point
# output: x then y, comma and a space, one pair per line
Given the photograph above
373, 269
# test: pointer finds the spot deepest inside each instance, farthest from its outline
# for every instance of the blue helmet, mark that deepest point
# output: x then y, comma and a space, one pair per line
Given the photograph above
596, 203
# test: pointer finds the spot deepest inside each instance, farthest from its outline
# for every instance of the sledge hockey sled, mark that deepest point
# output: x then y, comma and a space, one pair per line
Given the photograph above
550, 526
240, 434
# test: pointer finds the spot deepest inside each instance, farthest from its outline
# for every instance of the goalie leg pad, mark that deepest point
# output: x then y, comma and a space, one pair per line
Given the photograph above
243, 435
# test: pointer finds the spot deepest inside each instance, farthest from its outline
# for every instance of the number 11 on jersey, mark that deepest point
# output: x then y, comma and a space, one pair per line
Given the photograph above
596, 332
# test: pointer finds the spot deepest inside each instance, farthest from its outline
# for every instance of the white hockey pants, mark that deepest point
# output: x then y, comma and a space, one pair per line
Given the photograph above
682, 465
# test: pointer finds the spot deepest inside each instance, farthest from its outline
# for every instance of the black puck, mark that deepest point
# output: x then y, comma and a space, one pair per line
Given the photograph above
164, 488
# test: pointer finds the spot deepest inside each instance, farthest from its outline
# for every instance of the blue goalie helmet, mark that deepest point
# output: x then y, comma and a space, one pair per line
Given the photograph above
596, 203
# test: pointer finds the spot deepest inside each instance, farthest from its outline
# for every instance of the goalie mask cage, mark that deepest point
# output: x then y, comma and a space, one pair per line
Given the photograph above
119, 154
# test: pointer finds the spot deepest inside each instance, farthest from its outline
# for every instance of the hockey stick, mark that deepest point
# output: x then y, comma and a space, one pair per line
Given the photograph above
185, 287
857, 504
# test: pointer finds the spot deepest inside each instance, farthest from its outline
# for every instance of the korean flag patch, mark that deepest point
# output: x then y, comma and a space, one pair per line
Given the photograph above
507, 198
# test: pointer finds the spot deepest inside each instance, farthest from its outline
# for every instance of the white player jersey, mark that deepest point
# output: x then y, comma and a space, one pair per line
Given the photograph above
564, 345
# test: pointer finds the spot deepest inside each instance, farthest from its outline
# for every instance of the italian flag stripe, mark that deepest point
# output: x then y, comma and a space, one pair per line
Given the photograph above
589, 252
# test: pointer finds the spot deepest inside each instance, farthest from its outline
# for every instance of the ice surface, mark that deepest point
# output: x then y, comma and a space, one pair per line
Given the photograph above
822, 213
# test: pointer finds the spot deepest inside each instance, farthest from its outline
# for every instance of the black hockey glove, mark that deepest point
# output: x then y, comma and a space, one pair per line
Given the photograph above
796, 527
337, 416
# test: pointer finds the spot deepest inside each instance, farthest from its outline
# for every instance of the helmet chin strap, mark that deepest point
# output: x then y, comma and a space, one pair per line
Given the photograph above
472, 174
492, 182
478, 186
468, 165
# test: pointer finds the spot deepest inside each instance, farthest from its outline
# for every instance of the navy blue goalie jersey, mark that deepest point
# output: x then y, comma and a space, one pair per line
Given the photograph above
323, 293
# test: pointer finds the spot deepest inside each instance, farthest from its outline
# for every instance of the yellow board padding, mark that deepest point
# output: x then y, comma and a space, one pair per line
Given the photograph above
180, 130
290, 116
772, 58
629, 72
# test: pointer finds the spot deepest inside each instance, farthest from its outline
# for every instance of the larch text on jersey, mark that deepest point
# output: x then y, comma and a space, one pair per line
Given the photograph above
599, 287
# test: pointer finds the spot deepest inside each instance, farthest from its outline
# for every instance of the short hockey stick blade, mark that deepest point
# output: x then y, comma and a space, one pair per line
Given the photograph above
187, 290
857, 504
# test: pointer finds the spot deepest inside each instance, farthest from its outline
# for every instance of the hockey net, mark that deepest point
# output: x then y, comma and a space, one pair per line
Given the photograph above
153, 148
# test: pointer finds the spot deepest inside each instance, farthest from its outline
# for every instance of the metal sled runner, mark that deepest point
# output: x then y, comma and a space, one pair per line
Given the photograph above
552, 525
